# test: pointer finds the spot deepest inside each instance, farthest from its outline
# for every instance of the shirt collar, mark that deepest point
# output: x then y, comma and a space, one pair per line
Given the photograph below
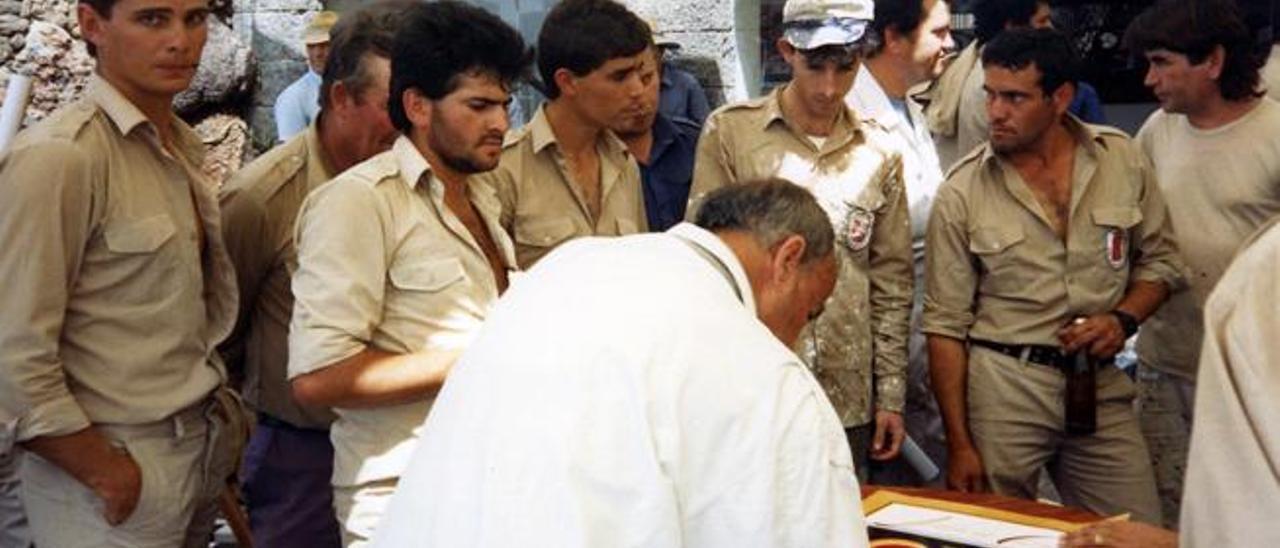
664, 133
117, 107
1085, 135
540, 130
870, 100
318, 166
126, 117
543, 136
773, 113
717, 247
410, 162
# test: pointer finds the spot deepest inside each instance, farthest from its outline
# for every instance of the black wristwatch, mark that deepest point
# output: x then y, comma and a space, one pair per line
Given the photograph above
1127, 322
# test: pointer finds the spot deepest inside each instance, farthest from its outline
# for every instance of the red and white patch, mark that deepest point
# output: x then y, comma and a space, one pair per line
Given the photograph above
1117, 248
857, 228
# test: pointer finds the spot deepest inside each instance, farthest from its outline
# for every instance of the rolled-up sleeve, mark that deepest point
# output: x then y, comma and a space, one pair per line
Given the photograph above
1156, 257
47, 214
339, 285
891, 285
951, 280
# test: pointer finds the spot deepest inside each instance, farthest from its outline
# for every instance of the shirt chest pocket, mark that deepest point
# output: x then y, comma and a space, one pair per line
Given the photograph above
433, 276
544, 232
140, 261
138, 236
996, 248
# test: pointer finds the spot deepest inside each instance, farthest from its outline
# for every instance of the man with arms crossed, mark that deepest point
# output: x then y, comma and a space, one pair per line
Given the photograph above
289, 461
696, 430
914, 37
119, 288
1049, 240
804, 132
1214, 148
401, 256
565, 174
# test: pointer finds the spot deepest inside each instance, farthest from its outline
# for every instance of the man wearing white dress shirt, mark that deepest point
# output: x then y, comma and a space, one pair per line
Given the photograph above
914, 37
587, 414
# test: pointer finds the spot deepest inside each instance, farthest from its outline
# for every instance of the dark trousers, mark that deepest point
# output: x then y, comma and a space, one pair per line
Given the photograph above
287, 474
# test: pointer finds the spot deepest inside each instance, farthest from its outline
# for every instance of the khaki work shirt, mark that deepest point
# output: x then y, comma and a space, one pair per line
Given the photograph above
113, 307
541, 205
383, 263
956, 108
259, 206
858, 347
996, 270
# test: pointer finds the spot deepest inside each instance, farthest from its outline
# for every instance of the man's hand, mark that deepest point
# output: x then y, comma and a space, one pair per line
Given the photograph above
887, 440
964, 470
118, 484
1100, 334
92, 460
1120, 534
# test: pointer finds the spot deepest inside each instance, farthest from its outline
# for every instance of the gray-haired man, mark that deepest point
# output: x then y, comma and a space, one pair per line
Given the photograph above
700, 429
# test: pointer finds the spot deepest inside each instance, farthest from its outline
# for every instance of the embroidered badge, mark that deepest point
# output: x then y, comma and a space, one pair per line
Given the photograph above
857, 228
1117, 248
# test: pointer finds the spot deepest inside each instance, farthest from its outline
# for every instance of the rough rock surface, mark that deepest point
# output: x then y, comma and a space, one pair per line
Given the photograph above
226, 71
59, 65
225, 139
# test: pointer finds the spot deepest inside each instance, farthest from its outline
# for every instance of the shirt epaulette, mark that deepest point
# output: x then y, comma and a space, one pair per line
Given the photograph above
750, 104
265, 176
972, 157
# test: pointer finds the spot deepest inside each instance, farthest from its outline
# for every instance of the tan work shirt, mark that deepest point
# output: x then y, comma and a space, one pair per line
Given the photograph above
1221, 185
259, 206
383, 263
541, 205
996, 270
956, 108
860, 339
112, 306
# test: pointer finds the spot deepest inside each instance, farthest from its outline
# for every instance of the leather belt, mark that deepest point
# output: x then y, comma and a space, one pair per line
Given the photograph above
1039, 354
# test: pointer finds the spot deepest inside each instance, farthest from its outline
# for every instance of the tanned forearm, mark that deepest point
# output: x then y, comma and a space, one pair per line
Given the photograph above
949, 371
374, 378
1143, 298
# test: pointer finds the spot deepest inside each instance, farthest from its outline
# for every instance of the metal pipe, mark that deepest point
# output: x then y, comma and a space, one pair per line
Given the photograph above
16, 97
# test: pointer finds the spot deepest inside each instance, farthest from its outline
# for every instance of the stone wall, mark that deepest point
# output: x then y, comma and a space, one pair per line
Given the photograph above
40, 38
715, 38
273, 29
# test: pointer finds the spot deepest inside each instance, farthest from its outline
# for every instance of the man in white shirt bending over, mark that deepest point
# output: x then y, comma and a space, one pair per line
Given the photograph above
586, 413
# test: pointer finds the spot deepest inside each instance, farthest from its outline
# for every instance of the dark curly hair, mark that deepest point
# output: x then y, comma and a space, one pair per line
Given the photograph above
442, 41
1195, 28
1049, 50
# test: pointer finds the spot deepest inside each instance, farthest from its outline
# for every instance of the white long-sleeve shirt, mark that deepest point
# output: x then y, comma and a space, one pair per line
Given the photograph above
622, 395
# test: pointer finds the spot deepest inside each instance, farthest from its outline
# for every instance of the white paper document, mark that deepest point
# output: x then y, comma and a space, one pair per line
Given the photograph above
961, 528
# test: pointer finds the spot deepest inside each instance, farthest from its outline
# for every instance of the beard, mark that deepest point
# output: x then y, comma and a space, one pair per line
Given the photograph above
453, 151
